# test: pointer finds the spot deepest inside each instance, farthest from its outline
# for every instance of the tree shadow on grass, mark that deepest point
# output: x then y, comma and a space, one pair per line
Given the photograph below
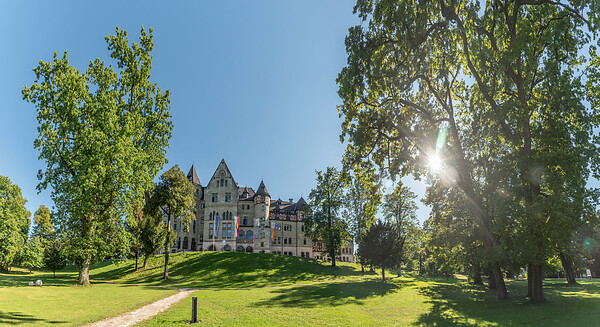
456, 303
17, 318
229, 269
331, 294
23, 280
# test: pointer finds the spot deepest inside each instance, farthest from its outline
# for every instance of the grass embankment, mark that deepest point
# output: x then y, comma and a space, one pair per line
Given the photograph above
226, 270
59, 302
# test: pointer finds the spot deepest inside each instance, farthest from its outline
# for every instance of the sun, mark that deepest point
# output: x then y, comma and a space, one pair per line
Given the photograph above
435, 163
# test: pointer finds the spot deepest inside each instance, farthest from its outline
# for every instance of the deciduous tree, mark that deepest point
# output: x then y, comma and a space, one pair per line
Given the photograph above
324, 222
103, 134
173, 197
14, 222
382, 246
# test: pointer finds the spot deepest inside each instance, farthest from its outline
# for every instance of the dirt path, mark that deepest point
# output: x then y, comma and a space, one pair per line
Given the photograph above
146, 312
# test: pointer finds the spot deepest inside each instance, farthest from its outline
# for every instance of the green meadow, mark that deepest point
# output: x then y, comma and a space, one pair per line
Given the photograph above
262, 289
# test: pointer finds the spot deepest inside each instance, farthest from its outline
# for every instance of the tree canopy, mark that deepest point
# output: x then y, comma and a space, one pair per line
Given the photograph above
14, 222
488, 97
103, 135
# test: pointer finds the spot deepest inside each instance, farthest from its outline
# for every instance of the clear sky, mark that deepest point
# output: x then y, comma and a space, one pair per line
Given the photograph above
252, 82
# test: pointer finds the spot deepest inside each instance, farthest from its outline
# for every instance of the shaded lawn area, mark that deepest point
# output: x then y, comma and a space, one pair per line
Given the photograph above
59, 302
366, 302
403, 301
456, 303
226, 269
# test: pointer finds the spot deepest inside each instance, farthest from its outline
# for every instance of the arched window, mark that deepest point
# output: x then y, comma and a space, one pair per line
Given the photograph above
193, 244
185, 243
240, 249
211, 248
249, 235
245, 221
179, 243
241, 237
227, 247
249, 249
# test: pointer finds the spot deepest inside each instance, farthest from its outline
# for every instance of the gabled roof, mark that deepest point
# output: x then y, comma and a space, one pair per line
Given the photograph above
262, 189
223, 166
301, 204
193, 177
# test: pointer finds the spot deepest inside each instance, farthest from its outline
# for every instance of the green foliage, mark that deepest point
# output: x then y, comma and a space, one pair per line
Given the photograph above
173, 197
14, 222
493, 95
324, 221
103, 135
382, 246
32, 254
54, 257
43, 227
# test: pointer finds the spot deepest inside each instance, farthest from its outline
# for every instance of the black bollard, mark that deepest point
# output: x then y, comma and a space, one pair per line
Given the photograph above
194, 310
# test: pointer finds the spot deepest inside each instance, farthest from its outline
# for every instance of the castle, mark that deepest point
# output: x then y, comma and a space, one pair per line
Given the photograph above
265, 225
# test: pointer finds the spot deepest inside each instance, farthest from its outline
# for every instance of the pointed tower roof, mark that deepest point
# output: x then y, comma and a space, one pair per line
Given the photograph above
262, 189
301, 204
193, 177
245, 194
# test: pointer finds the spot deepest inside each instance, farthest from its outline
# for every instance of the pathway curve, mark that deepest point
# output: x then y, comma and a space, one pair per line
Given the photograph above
146, 312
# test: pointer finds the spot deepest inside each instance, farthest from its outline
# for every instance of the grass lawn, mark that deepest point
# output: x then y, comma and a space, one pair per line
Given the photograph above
60, 303
226, 269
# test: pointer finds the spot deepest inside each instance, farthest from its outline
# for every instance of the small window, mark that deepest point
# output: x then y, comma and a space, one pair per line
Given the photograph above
304, 241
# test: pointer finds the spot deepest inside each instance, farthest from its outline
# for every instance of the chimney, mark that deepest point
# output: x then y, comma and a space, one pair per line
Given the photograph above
291, 200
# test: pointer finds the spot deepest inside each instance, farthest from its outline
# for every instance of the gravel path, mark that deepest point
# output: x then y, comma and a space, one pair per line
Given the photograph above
146, 312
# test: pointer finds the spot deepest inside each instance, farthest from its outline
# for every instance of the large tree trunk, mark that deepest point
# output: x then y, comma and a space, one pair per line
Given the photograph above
535, 277
567, 264
145, 260
136, 260
501, 291
491, 281
84, 273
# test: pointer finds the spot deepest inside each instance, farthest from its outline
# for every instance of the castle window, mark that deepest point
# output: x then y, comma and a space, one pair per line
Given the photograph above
179, 243
245, 221
303, 228
201, 205
185, 243
290, 241
241, 236
227, 197
211, 230
215, 197
221, 182
304, 241
194, 227
262, 244
285, 241
249, 235
225, 183
202, 220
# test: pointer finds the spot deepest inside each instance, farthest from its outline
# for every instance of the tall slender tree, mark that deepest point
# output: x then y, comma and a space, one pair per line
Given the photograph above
361, 201
324, 221
103, 135
172, 198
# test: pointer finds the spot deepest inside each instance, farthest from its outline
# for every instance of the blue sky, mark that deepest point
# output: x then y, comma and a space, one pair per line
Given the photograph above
251, 81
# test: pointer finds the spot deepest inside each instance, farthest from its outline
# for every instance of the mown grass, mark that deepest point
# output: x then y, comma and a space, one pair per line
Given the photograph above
59, 302
226, 269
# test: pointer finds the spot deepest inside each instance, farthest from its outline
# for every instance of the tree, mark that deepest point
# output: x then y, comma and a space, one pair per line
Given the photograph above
43, 227
32, 254
400, 209
360, 206
324, 221
103, 135
422, 80
173, 197
152, 234
54, 257
382, 246
14, 222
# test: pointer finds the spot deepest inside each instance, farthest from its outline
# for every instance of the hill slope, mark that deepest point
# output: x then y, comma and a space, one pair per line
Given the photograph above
226, 269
